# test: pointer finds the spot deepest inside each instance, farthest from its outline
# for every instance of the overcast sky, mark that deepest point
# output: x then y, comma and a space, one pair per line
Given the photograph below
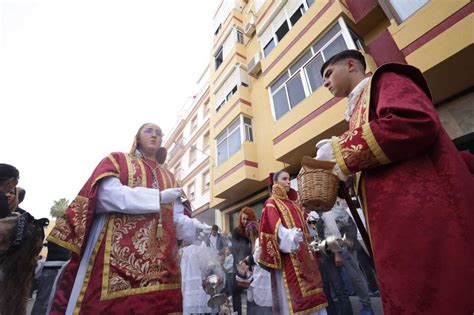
77, 79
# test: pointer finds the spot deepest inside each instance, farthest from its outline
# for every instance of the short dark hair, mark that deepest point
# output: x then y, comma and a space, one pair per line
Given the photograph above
21, 194
8, 171
346, 54
215, 228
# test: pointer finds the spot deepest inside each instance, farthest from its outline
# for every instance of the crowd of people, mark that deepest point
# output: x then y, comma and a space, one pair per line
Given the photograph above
127, 244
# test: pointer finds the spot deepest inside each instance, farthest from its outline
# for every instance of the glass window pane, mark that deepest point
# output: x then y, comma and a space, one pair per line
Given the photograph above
248, 133
309, 2
282, 79
303, 59
221, 137
326, 38
296, 16
282, 30
222, 154
280, 103
247, 121
234, 125
234, 142
295, 90
405, 8
269, 47
313, 70
335, 47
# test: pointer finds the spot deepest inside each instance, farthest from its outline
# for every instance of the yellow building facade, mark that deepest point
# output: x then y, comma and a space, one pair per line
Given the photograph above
268, 107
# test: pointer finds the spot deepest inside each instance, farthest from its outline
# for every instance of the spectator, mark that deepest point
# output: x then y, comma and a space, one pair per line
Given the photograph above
21, 196
228, 266
9, 176
241, 249
215, 240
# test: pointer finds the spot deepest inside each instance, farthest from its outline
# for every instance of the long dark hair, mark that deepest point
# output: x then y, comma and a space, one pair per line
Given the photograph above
18, 268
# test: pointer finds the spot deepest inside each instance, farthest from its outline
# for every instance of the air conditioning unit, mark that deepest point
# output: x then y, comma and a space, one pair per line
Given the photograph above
249, 27
254, 66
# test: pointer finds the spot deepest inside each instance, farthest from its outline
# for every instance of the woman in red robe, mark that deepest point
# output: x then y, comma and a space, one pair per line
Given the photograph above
297, 283
122, 231
417, 191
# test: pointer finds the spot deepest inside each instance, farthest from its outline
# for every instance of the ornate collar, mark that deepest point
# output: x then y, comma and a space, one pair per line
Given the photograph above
278, 191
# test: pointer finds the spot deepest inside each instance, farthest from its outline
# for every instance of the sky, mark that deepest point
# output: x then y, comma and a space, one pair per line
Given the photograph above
78, 78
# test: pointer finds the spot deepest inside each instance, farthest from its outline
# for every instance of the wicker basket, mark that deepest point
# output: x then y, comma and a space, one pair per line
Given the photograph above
317, 187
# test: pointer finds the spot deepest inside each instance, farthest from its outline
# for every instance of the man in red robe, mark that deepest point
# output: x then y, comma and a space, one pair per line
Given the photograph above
122, 230
415, 187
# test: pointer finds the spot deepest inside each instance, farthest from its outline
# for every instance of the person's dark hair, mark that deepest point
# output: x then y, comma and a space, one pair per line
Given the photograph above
21, 194
343, 55
18, 266
215, 227
8, 171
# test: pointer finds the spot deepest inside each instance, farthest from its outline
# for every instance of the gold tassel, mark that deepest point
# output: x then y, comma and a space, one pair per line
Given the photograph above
159, 229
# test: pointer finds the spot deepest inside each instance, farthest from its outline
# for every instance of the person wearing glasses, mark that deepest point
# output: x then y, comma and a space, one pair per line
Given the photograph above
122, 230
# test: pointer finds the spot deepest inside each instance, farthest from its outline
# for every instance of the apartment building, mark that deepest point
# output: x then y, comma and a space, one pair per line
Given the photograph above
267, 104
189, 151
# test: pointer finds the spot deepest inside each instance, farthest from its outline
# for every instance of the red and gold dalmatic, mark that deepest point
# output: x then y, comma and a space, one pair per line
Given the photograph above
417, 193
301, 277
131, 270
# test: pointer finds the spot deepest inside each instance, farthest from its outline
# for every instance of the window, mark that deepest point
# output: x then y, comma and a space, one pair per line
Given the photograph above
296, 16
282, 30
269, 47
248, 129
205, 109
240, 36
206, 181
403, 9
228, 96
218, 58
230, 140
217, 30
290, 19
194, 123
206, 141
191, 192
192, 154
303, 77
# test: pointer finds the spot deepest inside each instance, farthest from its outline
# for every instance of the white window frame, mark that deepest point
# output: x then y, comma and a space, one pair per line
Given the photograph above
239, 36
246, 134
302, 72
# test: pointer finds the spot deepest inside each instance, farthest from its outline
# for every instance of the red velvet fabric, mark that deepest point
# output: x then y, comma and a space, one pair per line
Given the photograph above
419, 204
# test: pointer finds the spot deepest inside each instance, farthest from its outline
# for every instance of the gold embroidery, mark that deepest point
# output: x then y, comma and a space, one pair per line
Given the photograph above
377, 151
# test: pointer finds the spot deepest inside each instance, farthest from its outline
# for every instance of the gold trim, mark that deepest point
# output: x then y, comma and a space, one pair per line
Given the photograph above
128, 159
114, 162
105, 295
108, 248
336, 147
103, 176
377, 151
77, 307
67, 245
285, 211
140, 163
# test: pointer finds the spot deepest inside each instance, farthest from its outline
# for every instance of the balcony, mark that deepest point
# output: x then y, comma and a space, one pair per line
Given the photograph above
238, 176
237, 55
238, 104
234, 18
310, 26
